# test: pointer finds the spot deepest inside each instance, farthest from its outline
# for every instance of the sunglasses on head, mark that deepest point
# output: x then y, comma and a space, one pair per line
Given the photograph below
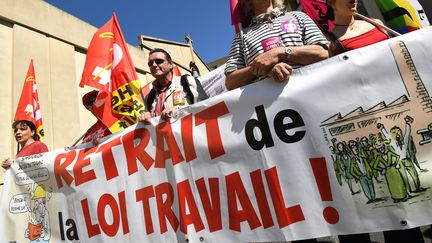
158, 61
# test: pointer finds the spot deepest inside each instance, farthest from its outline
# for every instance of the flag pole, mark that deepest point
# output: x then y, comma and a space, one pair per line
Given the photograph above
377, 24
236, 20
144, 102
82, 136
79, 139
142, 96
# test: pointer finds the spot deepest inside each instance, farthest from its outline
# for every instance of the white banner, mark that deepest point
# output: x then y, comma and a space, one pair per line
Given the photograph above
213, 82
343, 147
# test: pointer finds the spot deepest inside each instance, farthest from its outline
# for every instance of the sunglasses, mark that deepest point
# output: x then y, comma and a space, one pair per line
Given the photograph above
157, 61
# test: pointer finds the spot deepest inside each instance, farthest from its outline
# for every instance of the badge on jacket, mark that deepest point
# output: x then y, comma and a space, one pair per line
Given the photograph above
179, 97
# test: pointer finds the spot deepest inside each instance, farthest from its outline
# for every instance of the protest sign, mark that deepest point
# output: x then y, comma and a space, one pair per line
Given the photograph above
213, 82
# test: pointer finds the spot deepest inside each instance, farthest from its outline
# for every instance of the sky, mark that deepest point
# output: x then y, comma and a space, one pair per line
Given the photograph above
207, 22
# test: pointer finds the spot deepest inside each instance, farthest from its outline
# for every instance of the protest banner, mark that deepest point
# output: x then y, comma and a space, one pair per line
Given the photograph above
329, 152
213, 82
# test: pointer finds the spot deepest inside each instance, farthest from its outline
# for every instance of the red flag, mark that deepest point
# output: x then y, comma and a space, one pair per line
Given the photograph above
317, 10
28, 106
176, 71
235, 14
109, 68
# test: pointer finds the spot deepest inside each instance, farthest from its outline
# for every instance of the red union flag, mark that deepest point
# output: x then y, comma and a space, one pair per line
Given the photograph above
235, 14
317, 10
176, 71
28, 106
109, 68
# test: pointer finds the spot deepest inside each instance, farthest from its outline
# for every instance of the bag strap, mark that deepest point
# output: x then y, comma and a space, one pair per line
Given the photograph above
337, 43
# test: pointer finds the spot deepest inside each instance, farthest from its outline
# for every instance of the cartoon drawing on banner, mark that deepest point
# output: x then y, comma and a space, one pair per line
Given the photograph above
400, 143
29, 203
387, 163
38, 229
426, 134
342, 162
375, 151
361, 170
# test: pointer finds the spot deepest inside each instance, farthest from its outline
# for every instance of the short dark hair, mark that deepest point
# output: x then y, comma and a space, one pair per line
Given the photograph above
167, 55
26, 123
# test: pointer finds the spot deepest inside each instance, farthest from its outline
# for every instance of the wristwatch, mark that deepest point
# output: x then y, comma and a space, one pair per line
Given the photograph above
288, 53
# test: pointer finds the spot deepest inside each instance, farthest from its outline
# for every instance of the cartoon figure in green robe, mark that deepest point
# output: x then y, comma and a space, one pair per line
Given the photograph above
399, 144
388, 163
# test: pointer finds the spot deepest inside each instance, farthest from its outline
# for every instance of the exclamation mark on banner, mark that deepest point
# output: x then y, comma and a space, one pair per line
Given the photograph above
319, 168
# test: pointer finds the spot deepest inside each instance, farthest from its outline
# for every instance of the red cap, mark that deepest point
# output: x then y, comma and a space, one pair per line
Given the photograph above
89, 97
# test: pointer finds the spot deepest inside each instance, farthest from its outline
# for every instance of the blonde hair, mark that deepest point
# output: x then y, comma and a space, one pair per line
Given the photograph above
247, 12
279, 4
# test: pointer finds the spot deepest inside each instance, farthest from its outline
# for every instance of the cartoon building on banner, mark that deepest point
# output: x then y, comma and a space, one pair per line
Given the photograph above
375, 151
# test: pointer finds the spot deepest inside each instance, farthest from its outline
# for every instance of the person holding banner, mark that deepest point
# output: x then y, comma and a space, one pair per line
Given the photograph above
169, 92
28, 139
27, 125
273, 44
349, 33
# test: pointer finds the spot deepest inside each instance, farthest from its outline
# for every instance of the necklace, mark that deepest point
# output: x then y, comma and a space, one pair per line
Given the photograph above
350, 25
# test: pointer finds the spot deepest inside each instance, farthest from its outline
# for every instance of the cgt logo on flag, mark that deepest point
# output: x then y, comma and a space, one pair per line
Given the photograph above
30, 79
28, 110
28, 106
109, 68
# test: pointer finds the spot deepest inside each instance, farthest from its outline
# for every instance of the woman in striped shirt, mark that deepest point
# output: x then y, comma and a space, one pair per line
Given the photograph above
273, 44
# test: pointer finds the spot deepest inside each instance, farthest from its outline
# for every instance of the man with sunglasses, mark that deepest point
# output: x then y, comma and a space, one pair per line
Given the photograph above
169, 92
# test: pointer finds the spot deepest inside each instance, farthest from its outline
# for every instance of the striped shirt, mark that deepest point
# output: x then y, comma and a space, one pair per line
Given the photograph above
288, 29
